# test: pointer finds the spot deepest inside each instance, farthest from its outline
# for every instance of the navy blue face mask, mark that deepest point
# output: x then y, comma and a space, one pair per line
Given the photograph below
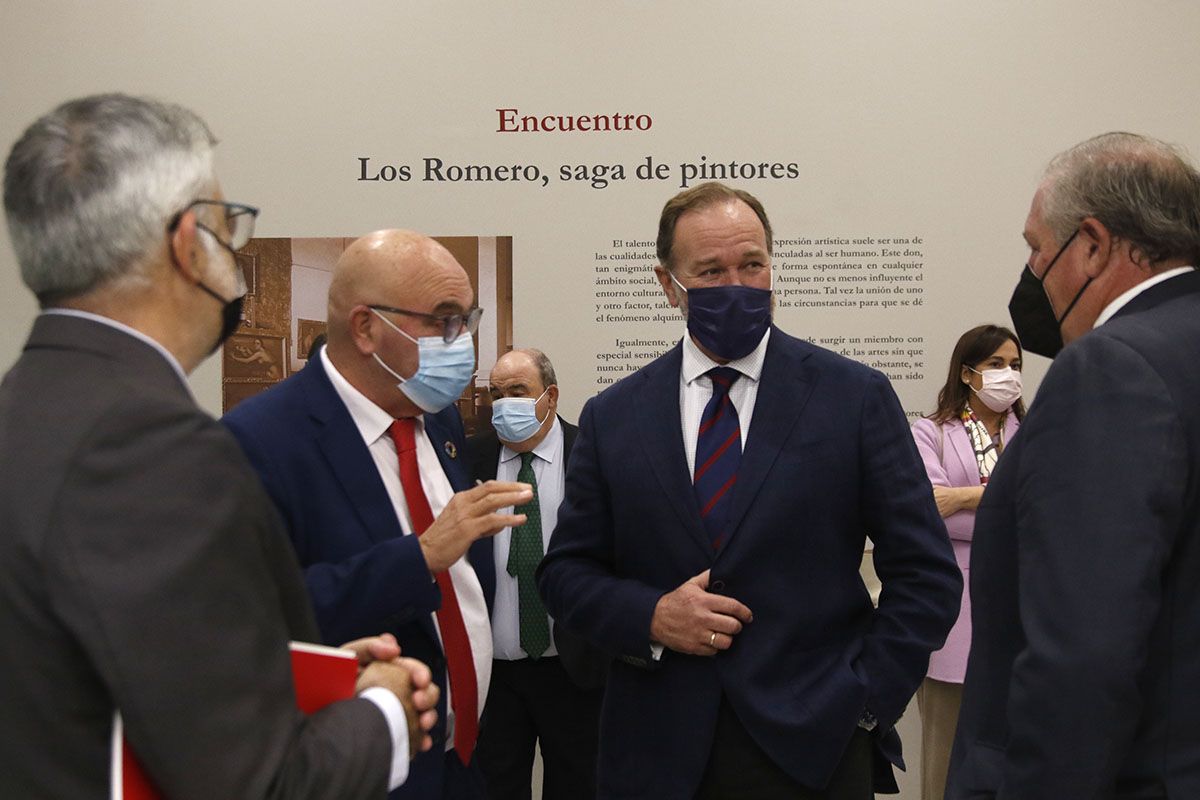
729, 321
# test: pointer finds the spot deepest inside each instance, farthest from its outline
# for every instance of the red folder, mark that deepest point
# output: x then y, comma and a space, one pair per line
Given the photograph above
322, 675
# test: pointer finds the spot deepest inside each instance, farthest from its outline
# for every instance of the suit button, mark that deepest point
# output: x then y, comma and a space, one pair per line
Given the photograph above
717, 586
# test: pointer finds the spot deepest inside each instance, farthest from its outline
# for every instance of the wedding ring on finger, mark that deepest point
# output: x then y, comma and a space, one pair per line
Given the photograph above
712, 639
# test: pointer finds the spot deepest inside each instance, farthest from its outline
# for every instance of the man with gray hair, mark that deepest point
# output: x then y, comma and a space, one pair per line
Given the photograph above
145, 580
546, 683
1086, 552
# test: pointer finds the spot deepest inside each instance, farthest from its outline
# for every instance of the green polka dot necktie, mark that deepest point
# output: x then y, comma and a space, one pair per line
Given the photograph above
524, 554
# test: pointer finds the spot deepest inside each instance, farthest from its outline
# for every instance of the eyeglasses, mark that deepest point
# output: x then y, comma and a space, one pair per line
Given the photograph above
452, 324
239, 221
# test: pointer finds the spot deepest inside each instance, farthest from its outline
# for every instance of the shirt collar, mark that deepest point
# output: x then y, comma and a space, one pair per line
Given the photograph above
1123, 299
371, 420
695, 363
545, 450
134, 332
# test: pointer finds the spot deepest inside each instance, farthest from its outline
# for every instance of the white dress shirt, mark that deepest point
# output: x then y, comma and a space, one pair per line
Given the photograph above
548, 472
373, 424
695, 390
1123, 299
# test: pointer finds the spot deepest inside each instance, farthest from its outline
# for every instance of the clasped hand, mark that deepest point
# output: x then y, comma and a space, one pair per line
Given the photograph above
380, 664
695, 621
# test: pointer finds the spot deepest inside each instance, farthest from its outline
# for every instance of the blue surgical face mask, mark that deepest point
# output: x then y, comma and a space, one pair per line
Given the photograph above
443, 370
728, 320
515, 418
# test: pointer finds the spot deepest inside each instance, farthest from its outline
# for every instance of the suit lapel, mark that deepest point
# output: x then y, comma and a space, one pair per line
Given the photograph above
662, 442
784, 387
569, 433
451, 456
349, 460
957, 438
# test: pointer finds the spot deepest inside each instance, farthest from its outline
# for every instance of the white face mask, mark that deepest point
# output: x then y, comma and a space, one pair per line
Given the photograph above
1001, 388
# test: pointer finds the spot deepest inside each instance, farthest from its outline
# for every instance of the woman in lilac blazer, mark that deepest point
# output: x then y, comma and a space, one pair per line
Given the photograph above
978, 412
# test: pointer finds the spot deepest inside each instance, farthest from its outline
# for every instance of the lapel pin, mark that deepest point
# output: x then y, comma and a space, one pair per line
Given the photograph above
451, 450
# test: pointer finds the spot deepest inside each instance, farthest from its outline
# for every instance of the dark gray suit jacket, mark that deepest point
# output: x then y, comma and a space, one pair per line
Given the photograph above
142, 568
1081, 681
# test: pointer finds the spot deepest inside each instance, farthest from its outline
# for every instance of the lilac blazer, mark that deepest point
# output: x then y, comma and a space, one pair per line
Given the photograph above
950, 461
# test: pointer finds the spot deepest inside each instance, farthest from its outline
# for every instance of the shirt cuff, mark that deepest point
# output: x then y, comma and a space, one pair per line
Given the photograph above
656, 651
393, 712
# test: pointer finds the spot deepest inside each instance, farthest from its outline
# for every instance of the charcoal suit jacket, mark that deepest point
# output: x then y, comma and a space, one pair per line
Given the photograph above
144, 570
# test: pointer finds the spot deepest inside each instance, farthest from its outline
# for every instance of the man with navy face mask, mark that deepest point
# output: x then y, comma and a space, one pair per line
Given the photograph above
362, 451
545, 682
714, 520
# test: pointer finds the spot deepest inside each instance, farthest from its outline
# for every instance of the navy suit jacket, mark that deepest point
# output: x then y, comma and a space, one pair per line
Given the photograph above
1081, 681
364, 575
829, 459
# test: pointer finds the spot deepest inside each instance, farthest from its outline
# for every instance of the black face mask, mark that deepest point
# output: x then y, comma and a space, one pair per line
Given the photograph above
231, 315
1032, 314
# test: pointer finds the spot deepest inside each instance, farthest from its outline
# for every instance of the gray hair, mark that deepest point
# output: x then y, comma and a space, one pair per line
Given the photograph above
90, 188
1144, 191
544, 367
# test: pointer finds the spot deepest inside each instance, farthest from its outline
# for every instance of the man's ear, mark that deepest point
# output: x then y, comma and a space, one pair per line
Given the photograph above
184, 244
552, 396
668, 286
1099, 246
360, 324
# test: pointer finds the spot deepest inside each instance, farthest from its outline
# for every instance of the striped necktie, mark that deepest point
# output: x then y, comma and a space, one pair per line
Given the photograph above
718, 456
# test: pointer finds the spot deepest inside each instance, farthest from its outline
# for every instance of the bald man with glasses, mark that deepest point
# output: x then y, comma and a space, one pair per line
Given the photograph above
363, 452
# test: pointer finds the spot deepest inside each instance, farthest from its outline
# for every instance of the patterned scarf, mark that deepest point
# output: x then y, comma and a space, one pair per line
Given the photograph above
986, 451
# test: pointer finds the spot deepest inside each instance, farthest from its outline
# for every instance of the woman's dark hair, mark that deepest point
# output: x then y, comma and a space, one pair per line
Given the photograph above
972, 349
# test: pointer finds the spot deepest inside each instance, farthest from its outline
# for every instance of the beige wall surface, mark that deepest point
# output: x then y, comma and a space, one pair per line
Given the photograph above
928, 118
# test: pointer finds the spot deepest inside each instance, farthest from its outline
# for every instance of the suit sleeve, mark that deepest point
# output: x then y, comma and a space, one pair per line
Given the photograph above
1099, 499
175, 593
922, 585
380, 588
934, 445
577, 577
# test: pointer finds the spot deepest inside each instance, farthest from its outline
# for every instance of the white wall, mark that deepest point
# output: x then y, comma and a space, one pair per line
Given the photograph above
930, 116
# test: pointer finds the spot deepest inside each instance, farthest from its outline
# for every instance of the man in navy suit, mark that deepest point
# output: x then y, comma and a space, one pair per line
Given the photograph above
1081, 681
715, 513
363, 448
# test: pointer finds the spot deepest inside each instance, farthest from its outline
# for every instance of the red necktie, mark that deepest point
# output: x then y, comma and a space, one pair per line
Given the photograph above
464, 692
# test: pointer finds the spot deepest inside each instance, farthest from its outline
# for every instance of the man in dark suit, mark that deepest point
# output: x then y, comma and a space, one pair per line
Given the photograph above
726, 577
364, 447
546, 683
143, 571
1086, 557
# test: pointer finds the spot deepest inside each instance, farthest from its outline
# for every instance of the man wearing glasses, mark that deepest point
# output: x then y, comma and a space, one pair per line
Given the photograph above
143, 570
364, 454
